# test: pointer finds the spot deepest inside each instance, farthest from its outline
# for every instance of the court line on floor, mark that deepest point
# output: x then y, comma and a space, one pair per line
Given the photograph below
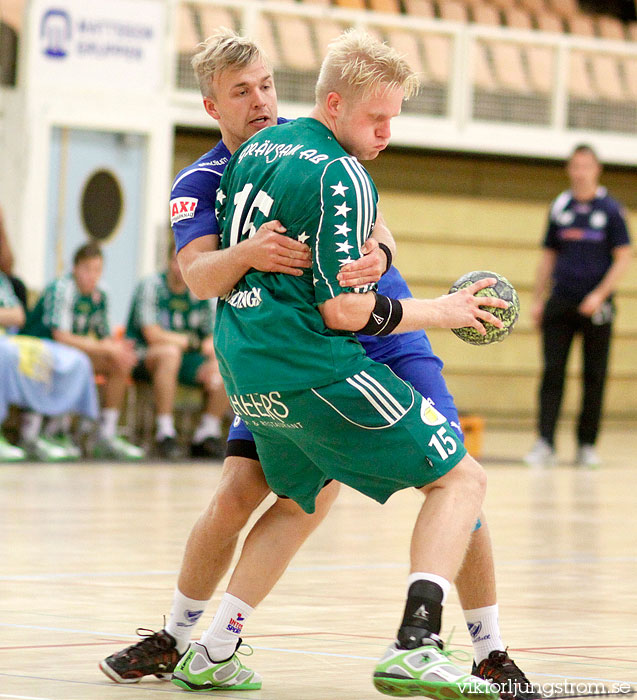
302, 651
169, 688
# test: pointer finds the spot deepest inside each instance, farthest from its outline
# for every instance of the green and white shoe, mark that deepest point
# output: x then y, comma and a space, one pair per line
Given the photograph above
64, 441
198, 672
427, 670
9, 452
44, 450
117, 448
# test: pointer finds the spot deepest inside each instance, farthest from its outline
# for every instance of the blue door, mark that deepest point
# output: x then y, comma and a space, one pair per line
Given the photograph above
96, 193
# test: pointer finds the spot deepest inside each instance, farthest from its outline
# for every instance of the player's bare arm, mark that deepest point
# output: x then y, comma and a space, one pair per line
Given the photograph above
12, 316
210, 272
154, 334
375, 262
120, 352
351, 312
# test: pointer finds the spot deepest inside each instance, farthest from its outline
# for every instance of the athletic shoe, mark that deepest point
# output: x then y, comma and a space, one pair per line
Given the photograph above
210, 448
197, 671
587, 457
66, 443
117, 448
506, 677
155, 655
168, 448
44, 450
540, 455
9, 452
427, 670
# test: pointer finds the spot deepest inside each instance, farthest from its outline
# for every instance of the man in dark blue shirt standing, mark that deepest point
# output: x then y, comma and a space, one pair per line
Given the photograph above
586, 252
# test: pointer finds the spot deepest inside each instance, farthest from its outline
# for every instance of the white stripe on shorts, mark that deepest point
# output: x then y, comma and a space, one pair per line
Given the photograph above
382, 400
389, 396
388, 417
369, 388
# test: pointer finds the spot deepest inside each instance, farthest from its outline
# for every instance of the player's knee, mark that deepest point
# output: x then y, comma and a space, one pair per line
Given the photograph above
206, 373
473, 476
243, 485
467, 478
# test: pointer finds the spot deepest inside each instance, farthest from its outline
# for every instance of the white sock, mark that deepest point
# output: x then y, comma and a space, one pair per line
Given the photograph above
108, 424
57, 425
220, 639
165, 426
30, 426
184, 615
209, 426
434, 578
484, 630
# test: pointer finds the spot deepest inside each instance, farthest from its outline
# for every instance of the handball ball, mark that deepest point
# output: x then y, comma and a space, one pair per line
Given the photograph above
502, 289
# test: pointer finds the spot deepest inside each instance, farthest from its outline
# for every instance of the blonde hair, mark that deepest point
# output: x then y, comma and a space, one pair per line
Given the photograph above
224, 50
356, 63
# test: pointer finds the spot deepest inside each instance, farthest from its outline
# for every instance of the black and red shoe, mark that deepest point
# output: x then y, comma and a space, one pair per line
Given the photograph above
503, 673
155, 655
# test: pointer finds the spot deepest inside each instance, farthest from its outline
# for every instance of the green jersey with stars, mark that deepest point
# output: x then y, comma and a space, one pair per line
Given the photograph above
63, 307
8, 299
154, 302
269, 334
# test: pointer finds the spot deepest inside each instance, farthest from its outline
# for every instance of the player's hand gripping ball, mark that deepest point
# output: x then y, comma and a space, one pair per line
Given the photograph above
502, 289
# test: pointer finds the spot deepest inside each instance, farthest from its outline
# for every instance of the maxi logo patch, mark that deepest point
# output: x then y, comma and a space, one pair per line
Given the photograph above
182, 208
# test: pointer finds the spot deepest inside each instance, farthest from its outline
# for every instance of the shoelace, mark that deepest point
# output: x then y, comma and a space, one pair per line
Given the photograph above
506, 668
151, 642
453, 654
456, 654
248, 649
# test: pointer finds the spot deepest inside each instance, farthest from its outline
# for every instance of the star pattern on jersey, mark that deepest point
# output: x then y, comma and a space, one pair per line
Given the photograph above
302, 237
342, 209
339, 190
343, 247
342, 230
220, 196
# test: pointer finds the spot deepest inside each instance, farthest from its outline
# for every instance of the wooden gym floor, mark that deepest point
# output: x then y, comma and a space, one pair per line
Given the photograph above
89, 552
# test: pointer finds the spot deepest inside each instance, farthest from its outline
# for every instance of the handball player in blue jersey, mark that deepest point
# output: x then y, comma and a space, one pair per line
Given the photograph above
238, 90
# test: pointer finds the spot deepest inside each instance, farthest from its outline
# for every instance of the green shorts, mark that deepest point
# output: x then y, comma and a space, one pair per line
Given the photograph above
372, 431
190, 364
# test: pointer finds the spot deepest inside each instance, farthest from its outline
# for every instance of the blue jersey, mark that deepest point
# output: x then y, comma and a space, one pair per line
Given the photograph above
192, 215
192, 199
583, 234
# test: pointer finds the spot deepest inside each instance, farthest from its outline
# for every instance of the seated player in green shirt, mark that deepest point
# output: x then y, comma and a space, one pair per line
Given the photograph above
74, 310
172, 332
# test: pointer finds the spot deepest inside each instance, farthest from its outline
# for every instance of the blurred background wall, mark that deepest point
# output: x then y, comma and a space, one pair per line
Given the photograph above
99, 110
